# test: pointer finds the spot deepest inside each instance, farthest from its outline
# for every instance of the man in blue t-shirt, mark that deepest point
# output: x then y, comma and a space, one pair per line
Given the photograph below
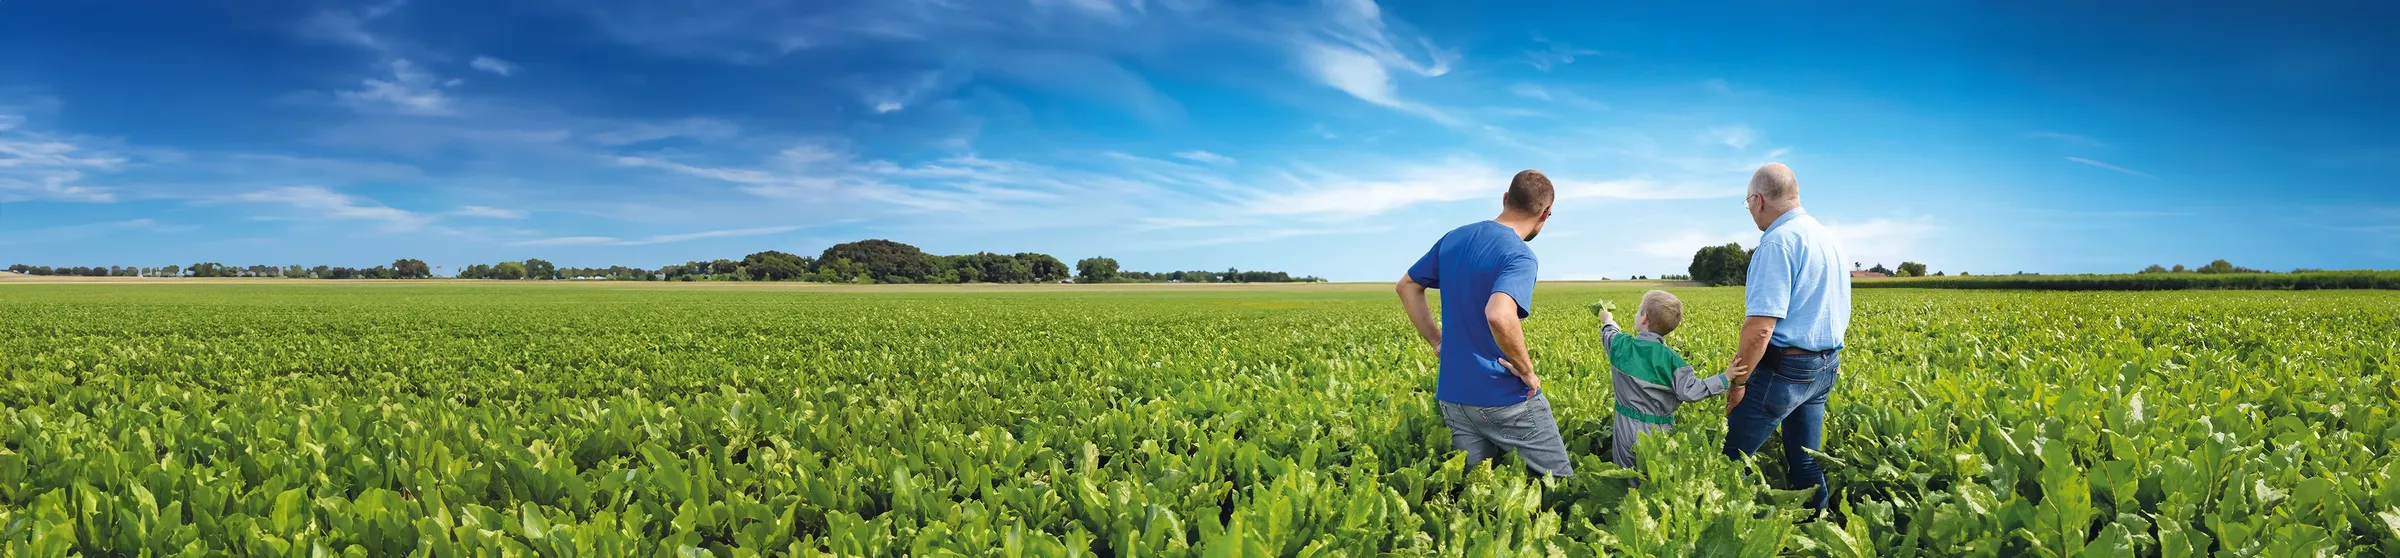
1488, 391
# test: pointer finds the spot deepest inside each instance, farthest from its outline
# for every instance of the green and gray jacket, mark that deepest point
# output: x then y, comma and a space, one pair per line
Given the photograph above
1651, 381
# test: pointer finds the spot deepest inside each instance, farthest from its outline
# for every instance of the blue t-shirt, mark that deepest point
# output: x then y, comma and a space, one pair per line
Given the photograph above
1473, 262
1796, 275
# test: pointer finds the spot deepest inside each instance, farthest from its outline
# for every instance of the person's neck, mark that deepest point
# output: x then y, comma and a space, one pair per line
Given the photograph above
1776, 214
1523, 224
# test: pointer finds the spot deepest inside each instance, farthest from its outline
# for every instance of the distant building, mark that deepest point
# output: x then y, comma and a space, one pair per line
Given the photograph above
1867, 274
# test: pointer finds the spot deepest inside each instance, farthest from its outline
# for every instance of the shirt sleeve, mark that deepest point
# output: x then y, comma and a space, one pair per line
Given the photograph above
1768, 290
1428, 270
1608, 334
1689, 387
1516, 279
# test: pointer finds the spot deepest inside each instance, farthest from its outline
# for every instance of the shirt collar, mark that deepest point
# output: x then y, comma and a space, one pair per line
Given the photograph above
1787, 217
1651, 337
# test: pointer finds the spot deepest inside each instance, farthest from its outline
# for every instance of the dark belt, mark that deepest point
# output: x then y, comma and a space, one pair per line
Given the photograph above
1796, 351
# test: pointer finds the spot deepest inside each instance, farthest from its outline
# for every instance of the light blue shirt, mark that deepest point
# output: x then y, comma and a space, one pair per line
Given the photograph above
1797, 276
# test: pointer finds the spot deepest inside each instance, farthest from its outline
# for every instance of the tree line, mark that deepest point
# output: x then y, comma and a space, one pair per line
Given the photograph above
1729, 265
866, 261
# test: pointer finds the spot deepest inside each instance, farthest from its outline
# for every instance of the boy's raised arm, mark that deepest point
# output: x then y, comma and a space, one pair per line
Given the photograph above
1608, 330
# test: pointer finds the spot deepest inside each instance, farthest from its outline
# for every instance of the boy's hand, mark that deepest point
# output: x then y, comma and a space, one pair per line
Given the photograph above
1733, 396
1606, 316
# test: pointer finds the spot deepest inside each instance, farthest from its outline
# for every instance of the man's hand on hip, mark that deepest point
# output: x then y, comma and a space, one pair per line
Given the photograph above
1533, 382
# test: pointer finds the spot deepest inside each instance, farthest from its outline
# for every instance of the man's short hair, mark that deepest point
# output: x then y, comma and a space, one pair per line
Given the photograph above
1774, 182
1529, 192
1661, 312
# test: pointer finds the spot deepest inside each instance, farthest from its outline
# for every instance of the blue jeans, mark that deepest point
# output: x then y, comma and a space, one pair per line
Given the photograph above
1528, 427
1787, 391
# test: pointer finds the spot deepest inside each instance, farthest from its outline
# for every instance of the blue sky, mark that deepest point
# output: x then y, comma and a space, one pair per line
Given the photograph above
1334, 138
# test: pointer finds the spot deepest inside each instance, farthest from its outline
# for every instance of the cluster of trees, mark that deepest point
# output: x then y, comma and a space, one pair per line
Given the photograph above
1906, 269
865, 261
2219, 266
1104, 270
1718, 266
400, 269
2298, 280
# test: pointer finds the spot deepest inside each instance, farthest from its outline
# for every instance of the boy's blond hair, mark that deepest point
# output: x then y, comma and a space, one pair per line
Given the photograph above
1661, 312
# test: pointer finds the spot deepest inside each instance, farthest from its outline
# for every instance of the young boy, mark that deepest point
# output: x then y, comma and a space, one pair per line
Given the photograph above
1651, 380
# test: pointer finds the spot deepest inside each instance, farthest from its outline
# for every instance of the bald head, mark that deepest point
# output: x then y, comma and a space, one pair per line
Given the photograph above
1774, 184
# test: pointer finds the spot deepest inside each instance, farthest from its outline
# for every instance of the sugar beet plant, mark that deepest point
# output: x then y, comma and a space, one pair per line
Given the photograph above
581, 420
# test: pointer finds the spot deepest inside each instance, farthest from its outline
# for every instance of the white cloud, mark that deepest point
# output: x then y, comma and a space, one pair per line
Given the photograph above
1356, 48
494, 65
660, 239
316, 202
1643, 189
409, 91
1682, 244
1205, 157
1530, 91
2111, 167
1738, 136
1888, 241
36, 166
701, 129
489, 212
1554, 54
1333, 195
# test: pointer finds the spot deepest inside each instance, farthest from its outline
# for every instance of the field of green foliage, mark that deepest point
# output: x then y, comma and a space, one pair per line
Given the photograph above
611, 420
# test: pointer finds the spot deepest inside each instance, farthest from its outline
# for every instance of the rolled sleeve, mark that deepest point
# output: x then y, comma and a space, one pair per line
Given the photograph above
1428, 270
1768, 291
1516, 279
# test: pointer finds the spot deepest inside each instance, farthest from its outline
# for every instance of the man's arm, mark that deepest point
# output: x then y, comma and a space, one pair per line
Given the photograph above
1412, 297
1751, 344
1509, 332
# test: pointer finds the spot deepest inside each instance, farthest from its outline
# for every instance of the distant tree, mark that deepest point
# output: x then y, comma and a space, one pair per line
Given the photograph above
772, 266
886, 261
1102, 269
2154, 268
1937, 274
1912, 269
2178, 269
171, 271
537, 268
508, 271
841, 270
1964, 274
407, 268
2219, 266
1043, 268
1879, 268
1721, 265
476, 271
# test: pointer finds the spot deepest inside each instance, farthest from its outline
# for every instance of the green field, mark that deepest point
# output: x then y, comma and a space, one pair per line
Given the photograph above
389, 419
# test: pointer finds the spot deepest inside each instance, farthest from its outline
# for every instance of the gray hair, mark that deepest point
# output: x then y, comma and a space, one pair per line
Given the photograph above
1775, 183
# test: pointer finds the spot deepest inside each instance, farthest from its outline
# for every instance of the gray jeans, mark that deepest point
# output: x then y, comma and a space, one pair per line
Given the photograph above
1526, 427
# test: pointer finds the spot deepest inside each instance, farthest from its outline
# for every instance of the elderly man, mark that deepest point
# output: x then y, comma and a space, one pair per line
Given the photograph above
1488, 391
1798, 301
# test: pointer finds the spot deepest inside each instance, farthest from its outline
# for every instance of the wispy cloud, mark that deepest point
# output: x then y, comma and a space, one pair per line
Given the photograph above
1886, 241
1552, 54
409, 90
2111, 167
36, 166
306, 202
1358, 47
1736, 136
494, 65
1682, 244
660, 239
1205, 157
489, 212
2067, 138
